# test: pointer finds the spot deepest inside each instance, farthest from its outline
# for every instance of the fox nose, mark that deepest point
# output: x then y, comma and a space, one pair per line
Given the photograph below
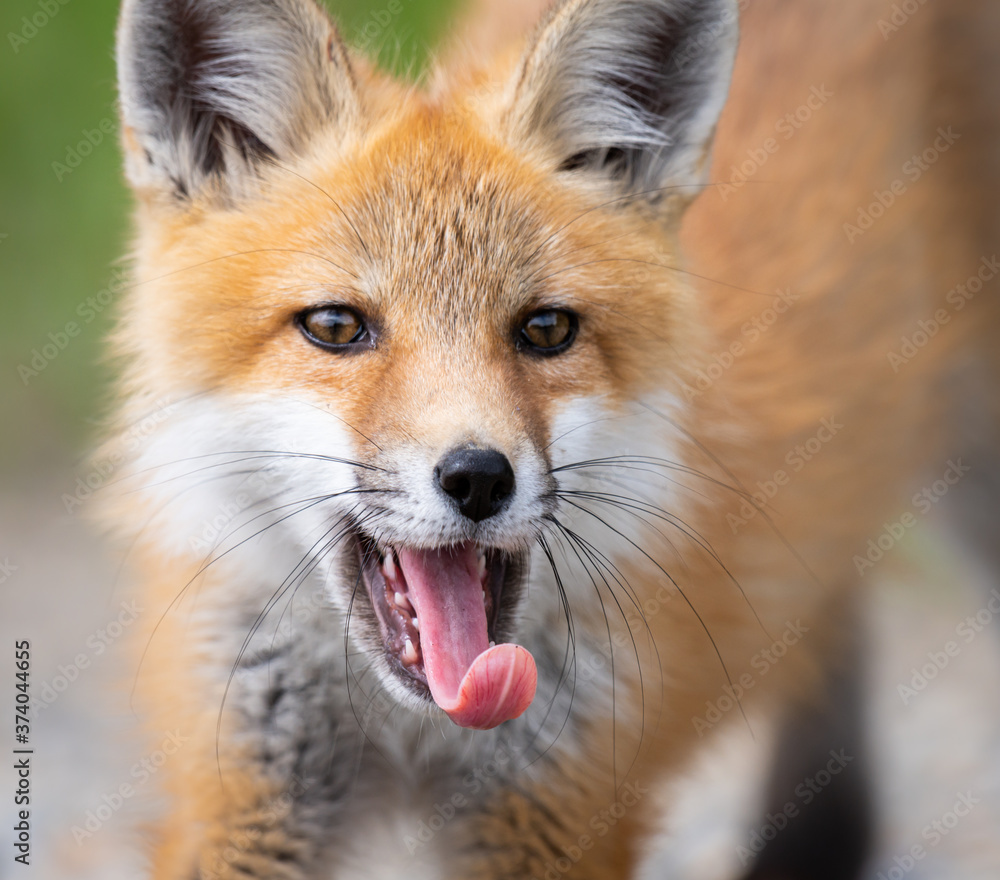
479, 481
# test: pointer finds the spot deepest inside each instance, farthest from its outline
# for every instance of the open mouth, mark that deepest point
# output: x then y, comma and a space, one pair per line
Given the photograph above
439, 612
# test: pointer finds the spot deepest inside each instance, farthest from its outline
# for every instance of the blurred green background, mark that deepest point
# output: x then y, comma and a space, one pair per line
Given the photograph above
64, 210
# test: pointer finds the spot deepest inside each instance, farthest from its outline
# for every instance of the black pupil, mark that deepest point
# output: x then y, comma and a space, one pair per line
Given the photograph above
548, 329
335, 326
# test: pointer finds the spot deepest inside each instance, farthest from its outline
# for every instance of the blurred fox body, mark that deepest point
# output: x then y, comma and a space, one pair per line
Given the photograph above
429, 349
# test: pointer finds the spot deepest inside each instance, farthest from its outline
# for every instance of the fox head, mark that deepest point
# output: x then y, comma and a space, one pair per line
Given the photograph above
405, 332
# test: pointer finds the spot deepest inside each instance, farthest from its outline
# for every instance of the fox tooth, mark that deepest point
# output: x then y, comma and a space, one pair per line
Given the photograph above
402, 601
389, 565
482, 565
410, 655
416, 624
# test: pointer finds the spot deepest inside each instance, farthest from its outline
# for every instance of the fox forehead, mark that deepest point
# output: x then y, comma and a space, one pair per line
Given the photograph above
432, 211
454, 223
441, 233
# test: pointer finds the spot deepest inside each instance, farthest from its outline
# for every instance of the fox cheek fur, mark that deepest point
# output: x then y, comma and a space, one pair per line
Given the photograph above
402, 336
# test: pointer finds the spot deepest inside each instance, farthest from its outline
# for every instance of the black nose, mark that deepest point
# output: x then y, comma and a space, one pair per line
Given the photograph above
479, 481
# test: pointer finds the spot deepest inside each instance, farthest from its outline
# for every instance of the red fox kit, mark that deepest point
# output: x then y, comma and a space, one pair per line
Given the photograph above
479, 503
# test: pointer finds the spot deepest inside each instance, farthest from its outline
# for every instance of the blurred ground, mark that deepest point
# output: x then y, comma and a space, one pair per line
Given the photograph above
59, 597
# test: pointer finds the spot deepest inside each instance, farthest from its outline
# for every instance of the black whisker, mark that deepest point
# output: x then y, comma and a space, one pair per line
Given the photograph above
743, 490
276, 164
651, 461
302, 569
631, 505
567, 661
235, 254
625, 198
347, 633
656, 266
249, 455
603, 564
683, 595
308, 504
619, 577
340, 419
611, 649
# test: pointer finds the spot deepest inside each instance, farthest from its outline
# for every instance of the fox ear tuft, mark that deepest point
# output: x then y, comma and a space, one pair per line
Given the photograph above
211, 88
630, 89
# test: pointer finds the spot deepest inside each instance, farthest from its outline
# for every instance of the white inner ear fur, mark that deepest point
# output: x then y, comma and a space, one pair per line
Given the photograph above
196, 77
595, 80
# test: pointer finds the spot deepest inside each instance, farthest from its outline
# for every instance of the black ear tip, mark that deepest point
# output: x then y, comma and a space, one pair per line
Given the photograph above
629, 89
214, 90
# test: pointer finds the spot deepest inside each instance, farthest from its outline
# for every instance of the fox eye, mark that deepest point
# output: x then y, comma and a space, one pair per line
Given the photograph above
336, 328
548, 331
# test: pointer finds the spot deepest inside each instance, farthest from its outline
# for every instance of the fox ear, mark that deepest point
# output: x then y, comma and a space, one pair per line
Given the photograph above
630, 89
209, 89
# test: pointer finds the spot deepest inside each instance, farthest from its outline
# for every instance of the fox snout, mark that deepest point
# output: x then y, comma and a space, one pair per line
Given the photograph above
475, 488
440, 546
478, 481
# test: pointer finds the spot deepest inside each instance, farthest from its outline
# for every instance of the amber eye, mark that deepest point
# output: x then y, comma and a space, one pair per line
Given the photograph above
337, 328
548, 331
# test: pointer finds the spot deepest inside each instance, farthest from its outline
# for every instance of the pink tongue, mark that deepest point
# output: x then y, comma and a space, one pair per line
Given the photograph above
476, 685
